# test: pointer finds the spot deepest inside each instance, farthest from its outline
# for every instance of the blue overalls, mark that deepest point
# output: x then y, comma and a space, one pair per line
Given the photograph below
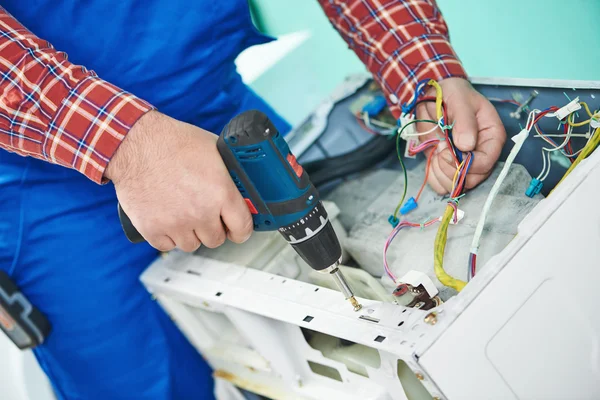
60, 238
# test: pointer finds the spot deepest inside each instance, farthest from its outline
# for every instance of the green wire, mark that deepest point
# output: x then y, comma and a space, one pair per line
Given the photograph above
402, 162
414, 122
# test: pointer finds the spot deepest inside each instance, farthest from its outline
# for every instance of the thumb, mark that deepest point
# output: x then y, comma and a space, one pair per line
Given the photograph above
462, 112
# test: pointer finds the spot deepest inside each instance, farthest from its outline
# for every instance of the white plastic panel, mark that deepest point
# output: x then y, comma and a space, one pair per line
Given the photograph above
532, 333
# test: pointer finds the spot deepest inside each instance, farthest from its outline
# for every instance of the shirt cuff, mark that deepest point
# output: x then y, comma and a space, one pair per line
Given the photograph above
90, 124
424, 57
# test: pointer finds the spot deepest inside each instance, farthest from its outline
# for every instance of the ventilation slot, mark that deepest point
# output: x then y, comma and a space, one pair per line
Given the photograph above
250, 153
238, 184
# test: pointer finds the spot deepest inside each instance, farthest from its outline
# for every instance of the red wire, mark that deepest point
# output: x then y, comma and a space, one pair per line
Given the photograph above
366, 128
426, 174
445, 132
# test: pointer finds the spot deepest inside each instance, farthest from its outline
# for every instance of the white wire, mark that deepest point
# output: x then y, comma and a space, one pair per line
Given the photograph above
539, 177
561, 135
490, 199
564, 143
543, 178
383, 124
421, 133
369, 124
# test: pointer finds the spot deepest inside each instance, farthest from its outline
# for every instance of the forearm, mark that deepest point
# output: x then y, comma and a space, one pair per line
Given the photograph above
400, 42
58, 111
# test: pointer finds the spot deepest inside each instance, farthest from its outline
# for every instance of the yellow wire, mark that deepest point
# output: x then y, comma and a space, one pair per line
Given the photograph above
582, 123
439, 249
587, 150
438, 99
587, 108
442, 233
456, 174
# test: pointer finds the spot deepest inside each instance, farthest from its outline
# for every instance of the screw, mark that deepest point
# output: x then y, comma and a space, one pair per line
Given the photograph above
419, 376
436, 398
431, 318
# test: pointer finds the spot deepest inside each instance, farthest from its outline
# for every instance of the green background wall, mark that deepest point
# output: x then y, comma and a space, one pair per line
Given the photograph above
556, 39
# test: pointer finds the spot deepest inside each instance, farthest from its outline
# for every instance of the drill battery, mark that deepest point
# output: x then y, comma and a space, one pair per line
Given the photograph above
23, 323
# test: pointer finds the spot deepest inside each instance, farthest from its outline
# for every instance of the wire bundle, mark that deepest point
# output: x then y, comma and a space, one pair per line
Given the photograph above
463, 164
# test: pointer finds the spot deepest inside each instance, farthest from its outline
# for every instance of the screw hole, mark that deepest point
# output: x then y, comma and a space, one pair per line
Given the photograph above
401, 323
284, 281
267, 222
380, 339
308, 318
317, 289
167, 280
403, 311
218, 294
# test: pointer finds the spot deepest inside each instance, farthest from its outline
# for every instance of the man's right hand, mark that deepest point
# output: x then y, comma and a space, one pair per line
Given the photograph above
172, 183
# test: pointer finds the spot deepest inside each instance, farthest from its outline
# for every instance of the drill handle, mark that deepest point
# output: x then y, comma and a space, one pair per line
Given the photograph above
130, 232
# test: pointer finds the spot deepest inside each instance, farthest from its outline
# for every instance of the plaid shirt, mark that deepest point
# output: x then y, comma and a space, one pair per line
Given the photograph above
400, 42
62, 113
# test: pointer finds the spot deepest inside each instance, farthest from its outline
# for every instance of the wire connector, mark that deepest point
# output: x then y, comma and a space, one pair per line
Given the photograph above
393, 221
409, 130
418, 278
570, 108
460, 214
410, 205
375, 106
535, 187
410, 143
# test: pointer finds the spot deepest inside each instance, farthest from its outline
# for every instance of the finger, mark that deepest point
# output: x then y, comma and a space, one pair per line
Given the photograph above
461, 112
492, 137
432, 178
475, 179
162, 243
237, 218
212, 234
187, 241
435, 184
443, 179
447, 162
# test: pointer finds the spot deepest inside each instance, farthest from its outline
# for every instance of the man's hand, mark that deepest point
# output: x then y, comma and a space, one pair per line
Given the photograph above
173, 185
477, 128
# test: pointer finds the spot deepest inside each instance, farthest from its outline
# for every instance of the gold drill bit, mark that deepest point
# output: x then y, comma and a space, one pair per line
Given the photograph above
357, 306
342, 284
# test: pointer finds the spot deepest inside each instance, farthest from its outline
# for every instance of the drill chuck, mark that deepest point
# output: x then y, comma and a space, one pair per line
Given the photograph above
314, 239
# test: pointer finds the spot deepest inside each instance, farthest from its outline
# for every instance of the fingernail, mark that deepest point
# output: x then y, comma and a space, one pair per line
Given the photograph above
467, 141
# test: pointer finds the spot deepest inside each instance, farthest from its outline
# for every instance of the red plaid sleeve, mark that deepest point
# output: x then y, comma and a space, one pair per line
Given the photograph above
400, 41
57, 111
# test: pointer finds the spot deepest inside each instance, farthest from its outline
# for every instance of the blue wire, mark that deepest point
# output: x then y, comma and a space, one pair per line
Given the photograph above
418, 92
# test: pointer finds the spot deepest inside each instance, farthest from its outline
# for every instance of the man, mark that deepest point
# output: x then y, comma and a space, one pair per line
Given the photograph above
60, 237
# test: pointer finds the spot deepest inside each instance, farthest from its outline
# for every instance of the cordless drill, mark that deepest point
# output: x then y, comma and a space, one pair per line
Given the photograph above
278, 193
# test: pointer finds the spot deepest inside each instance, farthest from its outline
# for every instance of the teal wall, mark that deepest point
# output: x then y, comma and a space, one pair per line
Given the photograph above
556, 39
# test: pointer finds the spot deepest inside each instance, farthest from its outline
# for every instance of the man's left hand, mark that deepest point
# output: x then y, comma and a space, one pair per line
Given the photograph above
477, 128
